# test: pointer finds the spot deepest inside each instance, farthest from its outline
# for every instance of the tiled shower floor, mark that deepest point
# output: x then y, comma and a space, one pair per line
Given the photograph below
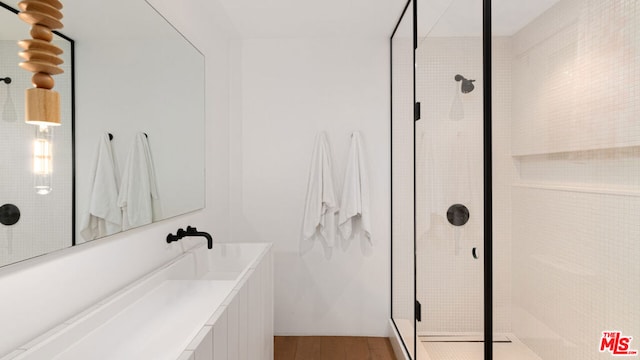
475, 350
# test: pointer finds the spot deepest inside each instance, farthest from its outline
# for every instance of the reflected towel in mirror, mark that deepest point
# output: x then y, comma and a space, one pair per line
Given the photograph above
139, 198
104, 216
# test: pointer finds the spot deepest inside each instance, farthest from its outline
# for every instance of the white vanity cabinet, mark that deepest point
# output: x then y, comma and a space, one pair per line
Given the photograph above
242, 328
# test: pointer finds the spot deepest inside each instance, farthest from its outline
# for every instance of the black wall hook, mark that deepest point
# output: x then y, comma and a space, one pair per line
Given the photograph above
7, 80
110, 136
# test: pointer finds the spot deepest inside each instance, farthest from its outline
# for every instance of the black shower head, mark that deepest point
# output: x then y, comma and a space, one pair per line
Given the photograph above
467, 84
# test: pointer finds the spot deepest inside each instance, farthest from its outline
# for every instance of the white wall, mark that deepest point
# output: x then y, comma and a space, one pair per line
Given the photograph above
285, 91
42, 292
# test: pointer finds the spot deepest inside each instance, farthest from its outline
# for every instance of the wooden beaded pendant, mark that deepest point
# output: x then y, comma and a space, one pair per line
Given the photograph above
42, 104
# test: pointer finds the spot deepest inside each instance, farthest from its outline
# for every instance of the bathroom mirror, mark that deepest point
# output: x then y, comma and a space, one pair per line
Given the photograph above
134, 73
137, 74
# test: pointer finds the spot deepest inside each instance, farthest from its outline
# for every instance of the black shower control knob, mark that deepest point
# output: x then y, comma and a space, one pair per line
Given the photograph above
458, 214
9, 214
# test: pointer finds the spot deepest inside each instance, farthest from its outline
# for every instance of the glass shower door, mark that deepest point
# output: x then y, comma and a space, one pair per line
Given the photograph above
449, 193
402, 180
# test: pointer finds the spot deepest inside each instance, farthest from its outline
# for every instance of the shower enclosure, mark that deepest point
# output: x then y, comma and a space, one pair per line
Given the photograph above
515, 132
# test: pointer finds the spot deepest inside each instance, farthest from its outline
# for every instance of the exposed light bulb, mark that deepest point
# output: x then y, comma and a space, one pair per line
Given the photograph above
43, 159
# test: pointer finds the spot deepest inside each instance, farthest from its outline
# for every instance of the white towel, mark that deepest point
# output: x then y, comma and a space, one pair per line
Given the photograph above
355, 193
322, 205
104, 216
139, 197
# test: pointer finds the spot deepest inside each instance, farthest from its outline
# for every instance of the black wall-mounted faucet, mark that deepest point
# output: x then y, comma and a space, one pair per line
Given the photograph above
191, 231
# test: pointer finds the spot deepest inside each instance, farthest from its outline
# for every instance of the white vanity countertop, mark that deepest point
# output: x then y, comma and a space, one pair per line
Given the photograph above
157, 316
165, 320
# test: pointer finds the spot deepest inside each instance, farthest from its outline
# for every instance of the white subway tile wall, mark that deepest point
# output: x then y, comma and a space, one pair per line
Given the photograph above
577, 79
576, 202
449, 170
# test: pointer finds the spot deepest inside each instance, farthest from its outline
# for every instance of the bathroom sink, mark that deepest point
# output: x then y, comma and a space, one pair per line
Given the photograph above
165, 320
222, 275
157, 316
227, 261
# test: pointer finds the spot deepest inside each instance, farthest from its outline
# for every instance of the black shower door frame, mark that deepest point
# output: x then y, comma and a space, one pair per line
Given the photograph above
487, 172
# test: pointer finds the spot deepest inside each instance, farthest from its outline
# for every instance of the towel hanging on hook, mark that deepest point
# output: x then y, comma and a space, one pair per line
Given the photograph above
321, 201
354, 207
139, 197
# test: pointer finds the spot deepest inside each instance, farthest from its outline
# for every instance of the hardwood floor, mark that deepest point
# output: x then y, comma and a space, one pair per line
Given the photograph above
332, 348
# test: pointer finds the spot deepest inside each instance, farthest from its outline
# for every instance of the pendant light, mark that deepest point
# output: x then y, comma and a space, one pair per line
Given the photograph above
42, 104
